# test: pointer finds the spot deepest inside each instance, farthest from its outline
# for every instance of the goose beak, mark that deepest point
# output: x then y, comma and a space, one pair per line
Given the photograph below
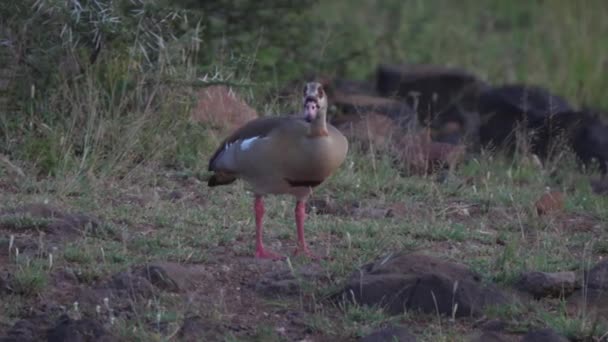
311, 108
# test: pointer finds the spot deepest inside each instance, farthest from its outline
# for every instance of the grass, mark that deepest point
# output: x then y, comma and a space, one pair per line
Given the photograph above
188, 233
30, 278
116, 143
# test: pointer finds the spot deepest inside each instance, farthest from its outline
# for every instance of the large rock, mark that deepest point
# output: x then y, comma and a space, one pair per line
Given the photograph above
597, 277
31, 329
543, 284
390, 334
590, 141
582, 130
427, 86
405, 282
221, 108
592, 298
83, 330
543, 335
503, 109
438, 94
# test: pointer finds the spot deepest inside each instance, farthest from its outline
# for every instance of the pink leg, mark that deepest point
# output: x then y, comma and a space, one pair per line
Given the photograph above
302, 247
260, 252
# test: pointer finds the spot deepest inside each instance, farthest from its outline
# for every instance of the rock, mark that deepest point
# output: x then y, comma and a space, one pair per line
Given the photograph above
428, 88
597, 277
390, 334
550, 203
592, 298
221, 108
167, 276
196, 329
543, 335
543, 284
285, 283
27, 330
328, 206
362, 105
83, 330
50, 219
582, 130
400, 282
599, 186
371, 130
128, 285
593, 303
590, 141
504, 108
437, 94
422, 156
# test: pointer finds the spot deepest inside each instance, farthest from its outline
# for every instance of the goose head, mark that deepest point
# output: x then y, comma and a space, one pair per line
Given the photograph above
314, 101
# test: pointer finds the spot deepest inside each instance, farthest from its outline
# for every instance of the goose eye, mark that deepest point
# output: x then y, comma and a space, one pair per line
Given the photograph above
320, 92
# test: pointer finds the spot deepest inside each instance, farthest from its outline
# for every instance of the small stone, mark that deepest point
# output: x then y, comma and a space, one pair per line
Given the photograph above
550, 203
285, 283
167, 276
544, 284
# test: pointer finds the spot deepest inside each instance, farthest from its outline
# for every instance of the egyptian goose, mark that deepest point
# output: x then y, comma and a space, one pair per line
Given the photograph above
282, 155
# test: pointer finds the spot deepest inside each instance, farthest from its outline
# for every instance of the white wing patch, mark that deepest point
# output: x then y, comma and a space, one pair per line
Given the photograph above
247, 143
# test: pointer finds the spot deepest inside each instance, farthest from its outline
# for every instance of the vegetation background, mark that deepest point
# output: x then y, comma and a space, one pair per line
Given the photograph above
95, 98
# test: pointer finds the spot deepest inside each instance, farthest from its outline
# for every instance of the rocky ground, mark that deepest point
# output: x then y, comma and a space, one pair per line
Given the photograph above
421, 240
173, 260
